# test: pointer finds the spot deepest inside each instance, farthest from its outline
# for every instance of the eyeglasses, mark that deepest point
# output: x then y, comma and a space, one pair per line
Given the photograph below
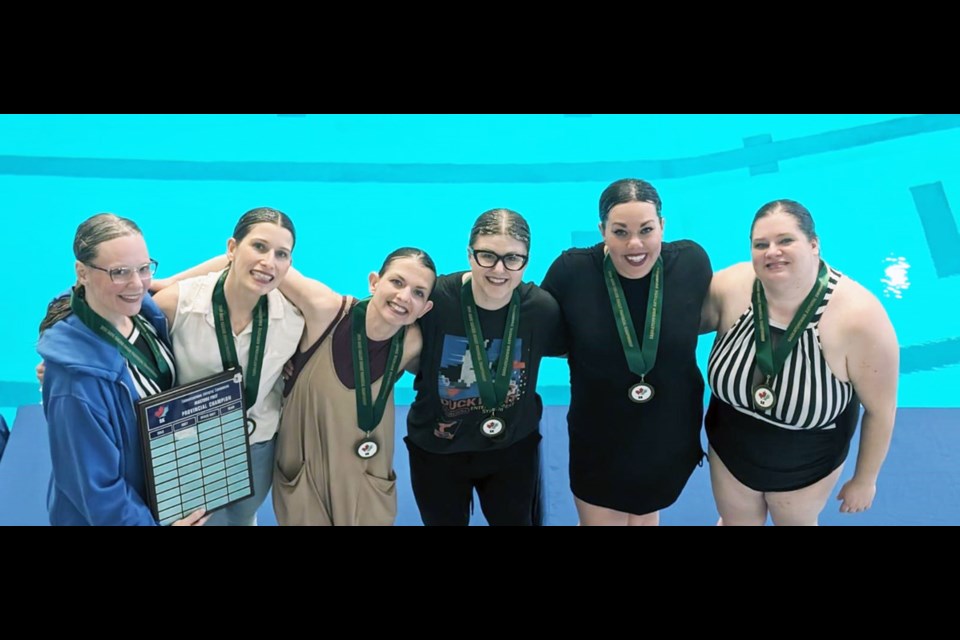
489, 259
122, 275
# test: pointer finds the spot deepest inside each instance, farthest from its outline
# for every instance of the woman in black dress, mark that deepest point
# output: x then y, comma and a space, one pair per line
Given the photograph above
631, 306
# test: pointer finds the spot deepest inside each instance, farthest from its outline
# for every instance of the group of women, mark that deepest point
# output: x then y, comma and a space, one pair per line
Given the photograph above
799, 347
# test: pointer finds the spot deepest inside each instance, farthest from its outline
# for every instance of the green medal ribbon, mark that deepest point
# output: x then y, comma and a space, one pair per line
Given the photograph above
770, 361
159, 372
493, 393
369, 413
641, 356
228, 349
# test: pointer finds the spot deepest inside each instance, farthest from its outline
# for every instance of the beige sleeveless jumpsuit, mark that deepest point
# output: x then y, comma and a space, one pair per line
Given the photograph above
319, 479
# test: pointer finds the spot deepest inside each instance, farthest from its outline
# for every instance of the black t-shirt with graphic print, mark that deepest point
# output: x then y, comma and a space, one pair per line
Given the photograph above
445, 416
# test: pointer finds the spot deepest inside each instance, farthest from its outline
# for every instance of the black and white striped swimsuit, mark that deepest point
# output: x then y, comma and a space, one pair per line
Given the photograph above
805, 435
142, 384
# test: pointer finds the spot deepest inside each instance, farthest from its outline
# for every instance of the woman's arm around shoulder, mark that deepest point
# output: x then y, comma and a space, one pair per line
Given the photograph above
217, 263
412, 345
168, 299
873, 366
318, 303
724, 286
551, 322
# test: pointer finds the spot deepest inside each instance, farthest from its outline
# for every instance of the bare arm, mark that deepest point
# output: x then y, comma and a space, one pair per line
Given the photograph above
729, 288
213, 264
873, 364
412, 345
710, 313
167, 299
318, 303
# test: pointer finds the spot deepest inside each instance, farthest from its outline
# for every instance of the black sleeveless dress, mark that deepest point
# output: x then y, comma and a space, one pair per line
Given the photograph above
631, 457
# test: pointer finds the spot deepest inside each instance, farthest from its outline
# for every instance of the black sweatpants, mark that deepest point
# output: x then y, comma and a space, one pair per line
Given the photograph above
507, 482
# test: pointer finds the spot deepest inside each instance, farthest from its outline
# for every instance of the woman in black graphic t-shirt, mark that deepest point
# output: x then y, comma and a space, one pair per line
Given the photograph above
475, 421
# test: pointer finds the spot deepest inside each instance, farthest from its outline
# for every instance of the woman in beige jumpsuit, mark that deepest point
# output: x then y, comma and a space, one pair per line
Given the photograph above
335, 446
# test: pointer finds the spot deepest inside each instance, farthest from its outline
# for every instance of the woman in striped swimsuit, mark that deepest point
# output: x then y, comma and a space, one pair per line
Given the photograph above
799, 347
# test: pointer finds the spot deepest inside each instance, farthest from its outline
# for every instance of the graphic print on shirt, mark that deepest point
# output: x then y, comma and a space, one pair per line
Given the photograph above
457, 382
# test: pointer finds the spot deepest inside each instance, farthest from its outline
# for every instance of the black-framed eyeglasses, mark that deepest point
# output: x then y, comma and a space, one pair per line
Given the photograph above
122, 275
489, 259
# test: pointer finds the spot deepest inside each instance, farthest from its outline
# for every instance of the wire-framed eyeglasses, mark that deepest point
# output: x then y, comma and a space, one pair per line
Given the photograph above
122, 275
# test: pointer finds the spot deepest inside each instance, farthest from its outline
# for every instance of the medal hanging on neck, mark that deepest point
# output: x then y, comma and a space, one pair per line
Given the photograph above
228, 348
159, 373
641, 356
493, 392
770, 361
369, 413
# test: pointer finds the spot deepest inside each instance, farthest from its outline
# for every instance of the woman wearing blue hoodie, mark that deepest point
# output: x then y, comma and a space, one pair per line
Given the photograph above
105, 346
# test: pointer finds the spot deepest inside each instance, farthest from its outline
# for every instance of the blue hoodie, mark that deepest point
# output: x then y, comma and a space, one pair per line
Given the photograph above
88, 399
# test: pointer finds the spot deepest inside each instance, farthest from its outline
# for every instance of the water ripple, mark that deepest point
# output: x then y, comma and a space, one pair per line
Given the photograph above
896, 280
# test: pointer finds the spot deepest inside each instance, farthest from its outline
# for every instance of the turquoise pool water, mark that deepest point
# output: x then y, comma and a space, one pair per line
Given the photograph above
884, 190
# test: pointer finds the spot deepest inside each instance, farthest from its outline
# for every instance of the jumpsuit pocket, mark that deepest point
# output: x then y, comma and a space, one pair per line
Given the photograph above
288, 478
295, 499
377, 500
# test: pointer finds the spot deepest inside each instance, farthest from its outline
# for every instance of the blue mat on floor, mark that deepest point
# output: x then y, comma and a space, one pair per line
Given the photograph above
25, 470
918, 485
